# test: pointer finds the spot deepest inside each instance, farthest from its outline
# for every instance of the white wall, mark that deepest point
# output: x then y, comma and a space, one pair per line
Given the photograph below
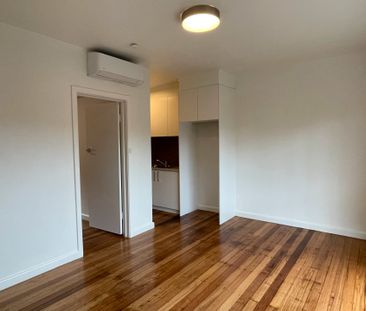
199, 166
37, 191
165, 90
302, 144
227, 152
207, 157
187, 168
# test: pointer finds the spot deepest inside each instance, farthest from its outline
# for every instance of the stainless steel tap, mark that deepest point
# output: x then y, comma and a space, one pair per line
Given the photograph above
164, 163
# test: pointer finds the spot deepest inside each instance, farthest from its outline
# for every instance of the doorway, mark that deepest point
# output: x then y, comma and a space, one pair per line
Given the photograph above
100, 160
164, 106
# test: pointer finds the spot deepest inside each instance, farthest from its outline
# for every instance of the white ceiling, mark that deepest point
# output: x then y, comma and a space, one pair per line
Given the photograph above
252, 33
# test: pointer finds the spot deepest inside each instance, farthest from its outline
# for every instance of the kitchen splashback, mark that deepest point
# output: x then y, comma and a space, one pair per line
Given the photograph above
165, 149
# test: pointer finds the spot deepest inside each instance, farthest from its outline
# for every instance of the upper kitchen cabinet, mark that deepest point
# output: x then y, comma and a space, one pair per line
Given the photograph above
199, 104
188, 105
173, 116
159, 116
208, 103
200, 96
164, 112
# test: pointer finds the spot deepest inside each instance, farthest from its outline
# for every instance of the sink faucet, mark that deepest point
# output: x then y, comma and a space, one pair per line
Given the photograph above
164, 163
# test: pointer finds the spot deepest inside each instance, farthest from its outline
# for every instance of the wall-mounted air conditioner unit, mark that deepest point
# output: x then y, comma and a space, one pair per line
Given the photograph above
114, 69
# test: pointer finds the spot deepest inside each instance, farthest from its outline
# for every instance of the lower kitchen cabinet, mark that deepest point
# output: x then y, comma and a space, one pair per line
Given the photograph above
166, 189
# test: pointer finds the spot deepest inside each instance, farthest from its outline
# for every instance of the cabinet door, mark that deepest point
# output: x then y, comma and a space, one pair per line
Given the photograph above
173, 116
166, 190
188, 105
208, 103
159, 191
159, 116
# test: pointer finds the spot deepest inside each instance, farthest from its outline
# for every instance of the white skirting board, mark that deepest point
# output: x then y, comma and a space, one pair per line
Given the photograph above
164, 209
141, 229
38, 269
305, 225
208, 208
85, 217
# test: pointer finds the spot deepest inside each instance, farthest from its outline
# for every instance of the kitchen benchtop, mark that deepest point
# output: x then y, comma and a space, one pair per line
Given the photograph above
170, 169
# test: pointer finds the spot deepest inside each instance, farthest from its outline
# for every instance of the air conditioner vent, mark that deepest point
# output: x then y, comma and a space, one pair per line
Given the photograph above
114, 69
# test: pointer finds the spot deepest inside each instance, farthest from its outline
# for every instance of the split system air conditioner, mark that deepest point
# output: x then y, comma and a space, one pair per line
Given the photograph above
114, 69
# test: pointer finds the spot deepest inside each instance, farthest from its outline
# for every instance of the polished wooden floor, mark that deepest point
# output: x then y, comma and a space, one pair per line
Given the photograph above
160, 218
192, 263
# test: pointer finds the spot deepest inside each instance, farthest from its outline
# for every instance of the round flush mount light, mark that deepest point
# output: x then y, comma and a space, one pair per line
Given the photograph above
200, 18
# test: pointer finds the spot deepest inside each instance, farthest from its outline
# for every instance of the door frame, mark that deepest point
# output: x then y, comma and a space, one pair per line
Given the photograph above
122, 99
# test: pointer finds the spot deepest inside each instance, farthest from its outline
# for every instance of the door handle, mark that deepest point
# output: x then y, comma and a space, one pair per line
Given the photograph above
91, 151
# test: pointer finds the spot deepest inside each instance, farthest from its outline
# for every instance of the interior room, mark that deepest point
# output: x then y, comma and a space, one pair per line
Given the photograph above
183, 155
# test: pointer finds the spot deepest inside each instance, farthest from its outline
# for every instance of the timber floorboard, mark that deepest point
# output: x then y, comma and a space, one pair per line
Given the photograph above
192, 263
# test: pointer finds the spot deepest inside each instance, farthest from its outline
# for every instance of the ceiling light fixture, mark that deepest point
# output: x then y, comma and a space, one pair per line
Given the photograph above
200, 18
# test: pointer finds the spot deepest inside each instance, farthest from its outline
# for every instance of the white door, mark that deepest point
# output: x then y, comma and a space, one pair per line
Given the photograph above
103, 166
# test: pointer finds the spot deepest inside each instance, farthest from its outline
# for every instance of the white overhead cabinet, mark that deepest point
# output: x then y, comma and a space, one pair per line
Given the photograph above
164, 116
159, 116
188, 105
208, 103
199, 104
173, 116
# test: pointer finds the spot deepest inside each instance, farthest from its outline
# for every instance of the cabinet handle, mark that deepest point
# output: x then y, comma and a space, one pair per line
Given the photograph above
153, 175
158, 176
